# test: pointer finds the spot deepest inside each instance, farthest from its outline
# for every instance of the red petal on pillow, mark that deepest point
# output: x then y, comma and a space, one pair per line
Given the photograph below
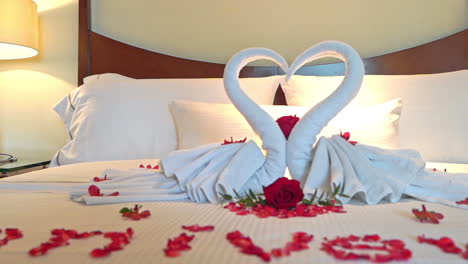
149, 167
156, 167
93, 190
114, 194
142, 166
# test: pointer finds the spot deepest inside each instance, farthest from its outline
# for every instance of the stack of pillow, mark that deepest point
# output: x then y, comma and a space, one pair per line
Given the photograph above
113, 117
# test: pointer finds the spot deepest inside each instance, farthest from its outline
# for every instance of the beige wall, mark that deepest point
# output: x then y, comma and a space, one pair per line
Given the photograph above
30, 87
206, 29
212, 30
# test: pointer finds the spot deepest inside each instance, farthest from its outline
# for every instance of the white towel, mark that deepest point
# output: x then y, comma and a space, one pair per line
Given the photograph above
304, 134
220, 169
135, 185
202, 173
371, 174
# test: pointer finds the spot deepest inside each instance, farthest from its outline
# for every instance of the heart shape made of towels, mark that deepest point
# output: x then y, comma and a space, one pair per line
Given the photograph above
300, 142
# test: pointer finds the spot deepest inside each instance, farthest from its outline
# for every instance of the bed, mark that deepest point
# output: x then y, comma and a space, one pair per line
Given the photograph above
38, 204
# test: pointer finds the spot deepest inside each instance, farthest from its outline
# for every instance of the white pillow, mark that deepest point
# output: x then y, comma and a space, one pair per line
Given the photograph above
130, 119
65, 108
434, 119
200, 123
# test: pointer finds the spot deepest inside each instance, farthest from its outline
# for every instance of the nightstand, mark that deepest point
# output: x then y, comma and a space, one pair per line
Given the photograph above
22, 166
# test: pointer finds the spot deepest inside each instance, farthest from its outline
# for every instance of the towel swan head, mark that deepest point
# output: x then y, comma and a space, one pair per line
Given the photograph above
304, 134
262, 123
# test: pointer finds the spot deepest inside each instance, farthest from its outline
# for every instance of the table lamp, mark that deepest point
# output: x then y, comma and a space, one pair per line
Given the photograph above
18, 36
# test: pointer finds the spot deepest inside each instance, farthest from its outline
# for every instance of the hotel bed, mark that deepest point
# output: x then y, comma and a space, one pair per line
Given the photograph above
37, 203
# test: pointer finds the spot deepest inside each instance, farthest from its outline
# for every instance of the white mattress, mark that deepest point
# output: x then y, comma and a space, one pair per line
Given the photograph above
37, 212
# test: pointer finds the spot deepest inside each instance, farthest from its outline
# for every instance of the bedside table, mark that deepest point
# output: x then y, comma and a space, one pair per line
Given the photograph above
22, 166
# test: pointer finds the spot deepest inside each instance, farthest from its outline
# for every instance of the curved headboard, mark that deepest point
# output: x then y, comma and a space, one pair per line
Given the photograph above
99, 54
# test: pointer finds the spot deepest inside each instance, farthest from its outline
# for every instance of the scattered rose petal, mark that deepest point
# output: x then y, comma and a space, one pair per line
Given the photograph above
197, 228
226, 142
93, 190
246, 245
177, 244
97, 179
118, 241
446, 244
59, 238
463, 201
10, 234
346, 136
155, 167
425, 216
341, 248
134, 213
301, 210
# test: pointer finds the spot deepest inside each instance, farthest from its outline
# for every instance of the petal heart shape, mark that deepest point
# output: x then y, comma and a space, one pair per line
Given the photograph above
299, 242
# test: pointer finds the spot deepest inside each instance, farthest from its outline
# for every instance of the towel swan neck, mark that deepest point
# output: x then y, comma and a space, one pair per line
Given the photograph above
261, 122
304, 134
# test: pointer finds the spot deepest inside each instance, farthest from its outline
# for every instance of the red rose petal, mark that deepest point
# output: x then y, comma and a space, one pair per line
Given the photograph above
463, 201
246, 245
61, 237
227, 142
395, 248
172, 253
446, 244
425, 216
177, 244
145, 214
93, 190
99, 253
197, 228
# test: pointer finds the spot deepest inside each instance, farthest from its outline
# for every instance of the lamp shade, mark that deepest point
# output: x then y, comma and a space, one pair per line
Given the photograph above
18, 29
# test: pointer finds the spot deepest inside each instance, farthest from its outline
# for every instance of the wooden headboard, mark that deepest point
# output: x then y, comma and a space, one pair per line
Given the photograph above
99, 54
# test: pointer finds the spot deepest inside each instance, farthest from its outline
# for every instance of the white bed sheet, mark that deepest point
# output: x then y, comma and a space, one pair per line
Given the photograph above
37, 212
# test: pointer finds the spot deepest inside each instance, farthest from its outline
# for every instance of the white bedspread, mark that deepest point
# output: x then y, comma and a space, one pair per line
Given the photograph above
36, 212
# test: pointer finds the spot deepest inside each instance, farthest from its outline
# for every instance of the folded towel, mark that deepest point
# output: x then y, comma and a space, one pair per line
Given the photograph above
135, 185
371, 174
304, 134
202, 173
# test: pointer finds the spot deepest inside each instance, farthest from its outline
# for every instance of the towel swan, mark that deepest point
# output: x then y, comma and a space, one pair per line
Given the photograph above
203, 173
370, 174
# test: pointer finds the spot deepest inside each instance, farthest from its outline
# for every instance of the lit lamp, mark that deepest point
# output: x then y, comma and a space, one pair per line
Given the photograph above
18, 29
18, 36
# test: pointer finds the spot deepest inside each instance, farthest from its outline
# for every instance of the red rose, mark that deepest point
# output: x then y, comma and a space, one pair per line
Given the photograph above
286, 123
283, 193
